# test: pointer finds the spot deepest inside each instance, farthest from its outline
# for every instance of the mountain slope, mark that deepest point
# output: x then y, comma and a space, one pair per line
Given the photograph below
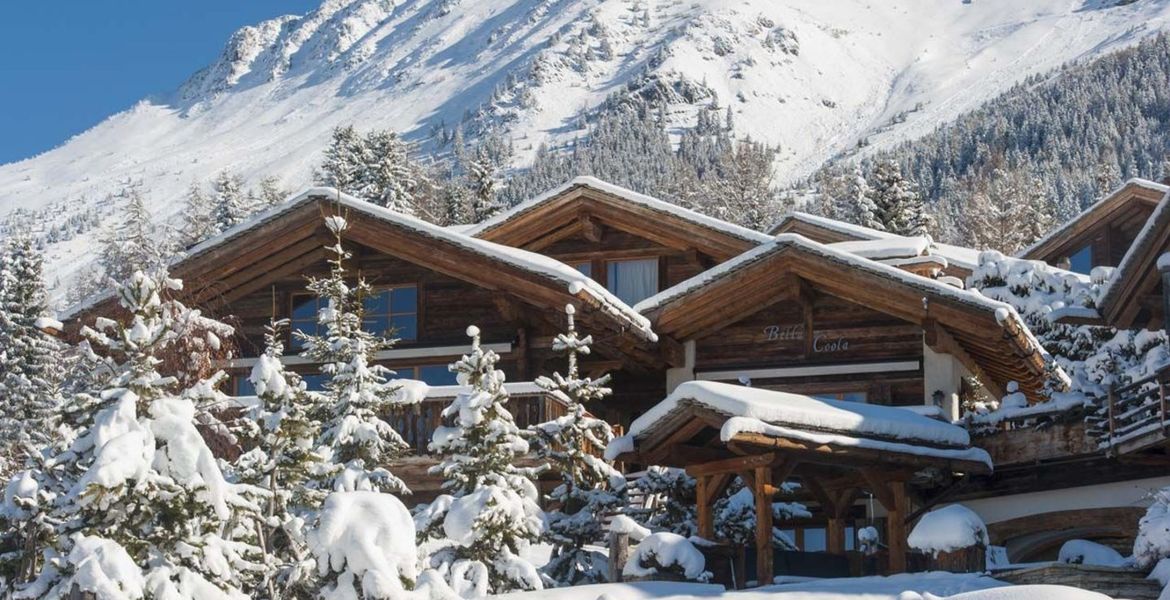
813, 76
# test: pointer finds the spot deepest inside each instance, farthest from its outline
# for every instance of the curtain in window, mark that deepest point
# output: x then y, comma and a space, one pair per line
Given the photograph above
633, 280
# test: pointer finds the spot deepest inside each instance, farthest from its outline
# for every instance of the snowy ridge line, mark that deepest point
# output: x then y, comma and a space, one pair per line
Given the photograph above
1135, 181
549, 268
1157, 220
650, 202
786, 409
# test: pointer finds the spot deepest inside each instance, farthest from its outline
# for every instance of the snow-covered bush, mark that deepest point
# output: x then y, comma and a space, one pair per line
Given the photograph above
1152, 543
591, 487
666, 553
476, 533
1084, 552
948, 529
365, 548
670, 501
868, 539
355, 436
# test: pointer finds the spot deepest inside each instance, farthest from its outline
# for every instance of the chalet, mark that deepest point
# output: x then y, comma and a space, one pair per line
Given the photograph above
822, 352
1103, 233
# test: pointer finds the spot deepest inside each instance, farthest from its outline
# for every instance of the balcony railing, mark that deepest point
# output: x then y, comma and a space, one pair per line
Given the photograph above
1133, 415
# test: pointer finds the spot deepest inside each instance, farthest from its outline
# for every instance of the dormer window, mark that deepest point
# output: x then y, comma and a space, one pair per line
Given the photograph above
632, 280
1081, 261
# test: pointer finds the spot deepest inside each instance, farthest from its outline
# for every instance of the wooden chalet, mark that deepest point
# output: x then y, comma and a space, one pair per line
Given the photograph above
819, 312
1103, 233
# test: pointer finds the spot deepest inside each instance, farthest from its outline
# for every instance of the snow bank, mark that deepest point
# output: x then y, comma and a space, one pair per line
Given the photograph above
628, 526
948, 529
1084, 552
666, 552
1152, 543
1028, 592
368, 539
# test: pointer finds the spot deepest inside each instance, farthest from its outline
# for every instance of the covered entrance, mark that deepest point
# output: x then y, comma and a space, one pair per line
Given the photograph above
836, 450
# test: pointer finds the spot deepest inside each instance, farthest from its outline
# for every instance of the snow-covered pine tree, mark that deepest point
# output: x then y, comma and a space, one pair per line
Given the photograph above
198, 217
148, 492
390, 176
742, 192
345, 160
490, 513
898, 206
355, 438
31, 361
229, 203
283, 462
591, 488
134, 243
482, 182
271, 194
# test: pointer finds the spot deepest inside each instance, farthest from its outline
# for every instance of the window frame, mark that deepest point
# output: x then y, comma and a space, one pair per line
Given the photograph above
294, 297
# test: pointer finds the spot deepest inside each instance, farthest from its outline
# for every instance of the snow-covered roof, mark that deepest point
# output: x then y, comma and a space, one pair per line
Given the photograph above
626, 194
878, 249
1139, 252
959, 256
573, 280
794, 416
1091, 210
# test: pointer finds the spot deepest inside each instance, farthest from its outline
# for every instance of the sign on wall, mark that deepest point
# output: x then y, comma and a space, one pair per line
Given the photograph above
822, 342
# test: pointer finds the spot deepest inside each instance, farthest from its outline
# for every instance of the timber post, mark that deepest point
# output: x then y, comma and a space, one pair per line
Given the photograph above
703, 508
896, 526
761, 489
1111, 399
619, 554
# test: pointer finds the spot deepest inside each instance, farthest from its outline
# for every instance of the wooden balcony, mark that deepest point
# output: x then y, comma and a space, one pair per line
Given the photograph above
1134, 417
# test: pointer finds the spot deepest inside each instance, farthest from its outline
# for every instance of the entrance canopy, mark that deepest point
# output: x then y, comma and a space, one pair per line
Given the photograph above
719, 431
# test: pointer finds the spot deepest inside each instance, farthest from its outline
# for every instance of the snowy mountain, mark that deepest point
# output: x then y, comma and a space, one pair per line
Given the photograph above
815, 77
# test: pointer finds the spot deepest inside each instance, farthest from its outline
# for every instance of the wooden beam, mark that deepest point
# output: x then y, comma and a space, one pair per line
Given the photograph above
703, 509
896, 525
762, 493
590, 230
733, 465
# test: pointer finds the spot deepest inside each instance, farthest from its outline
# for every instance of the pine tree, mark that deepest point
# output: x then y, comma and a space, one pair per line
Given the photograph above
136, 243
283, 463
482, 183
198, 217
490, 512
355, 438
271, 194
674, 508
344, 165
229, 204
143, 486
898, 206
591, 488
742, 192
31, 361
391, 178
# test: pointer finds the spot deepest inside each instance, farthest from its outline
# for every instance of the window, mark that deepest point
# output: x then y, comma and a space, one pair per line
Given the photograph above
437, 375
853, 396
392, 311
584, 268
1081, 261
315, 382
243, 386
814, 539
632, 280
304, 317
388, 311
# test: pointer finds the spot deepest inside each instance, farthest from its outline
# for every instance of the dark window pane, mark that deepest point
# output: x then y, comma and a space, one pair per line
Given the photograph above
244, 387
404, 300
315, 382
814, 540
585, 269
403, 373
377, 303
376, 324
405, 327
1082, 260
437, 375
304, 308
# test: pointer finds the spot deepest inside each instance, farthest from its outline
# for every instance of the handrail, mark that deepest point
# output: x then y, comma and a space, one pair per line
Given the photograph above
1132, 410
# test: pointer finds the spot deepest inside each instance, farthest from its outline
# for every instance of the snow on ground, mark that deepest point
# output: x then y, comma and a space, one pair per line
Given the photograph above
919, 586
948, 529
814, 77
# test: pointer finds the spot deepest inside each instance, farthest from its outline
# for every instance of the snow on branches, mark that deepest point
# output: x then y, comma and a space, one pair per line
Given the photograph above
591, 487
478, 530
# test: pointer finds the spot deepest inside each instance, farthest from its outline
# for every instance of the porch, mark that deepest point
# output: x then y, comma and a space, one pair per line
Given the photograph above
838, 452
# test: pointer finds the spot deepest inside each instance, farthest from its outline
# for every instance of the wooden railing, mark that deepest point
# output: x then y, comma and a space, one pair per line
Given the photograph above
1132, 412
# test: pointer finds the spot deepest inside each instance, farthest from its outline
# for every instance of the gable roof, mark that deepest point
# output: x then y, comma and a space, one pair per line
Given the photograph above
297, 223
829, 231
655, 219
1138, 277
990, 333
1135, 196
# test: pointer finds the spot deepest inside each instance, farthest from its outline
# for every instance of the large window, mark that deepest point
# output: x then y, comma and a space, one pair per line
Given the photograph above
632, 280
388, 311
854, 396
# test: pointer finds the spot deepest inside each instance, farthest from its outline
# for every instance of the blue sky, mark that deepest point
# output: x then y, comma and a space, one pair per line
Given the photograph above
67, 64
